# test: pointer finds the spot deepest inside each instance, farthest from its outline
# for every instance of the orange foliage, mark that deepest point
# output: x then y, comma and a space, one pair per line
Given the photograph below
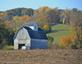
67, 40
2, 15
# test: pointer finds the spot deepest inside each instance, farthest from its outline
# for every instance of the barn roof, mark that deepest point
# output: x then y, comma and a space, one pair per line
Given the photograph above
40, 34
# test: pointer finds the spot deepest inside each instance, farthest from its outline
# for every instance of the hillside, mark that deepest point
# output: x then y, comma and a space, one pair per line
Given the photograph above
20, 11
17, 12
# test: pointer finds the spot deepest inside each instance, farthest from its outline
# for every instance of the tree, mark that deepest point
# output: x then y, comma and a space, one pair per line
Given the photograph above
51, 15
66, 41
4, 36
65, 16
46, 16
19, 21
76, 23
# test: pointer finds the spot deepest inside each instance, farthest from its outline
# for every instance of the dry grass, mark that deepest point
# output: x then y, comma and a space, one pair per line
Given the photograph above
55, 56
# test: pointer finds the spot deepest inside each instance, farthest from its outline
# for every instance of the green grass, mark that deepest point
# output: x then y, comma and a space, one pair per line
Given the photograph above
58, 31
8, 47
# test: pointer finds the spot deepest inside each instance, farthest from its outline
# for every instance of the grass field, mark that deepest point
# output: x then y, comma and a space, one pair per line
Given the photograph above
58, 31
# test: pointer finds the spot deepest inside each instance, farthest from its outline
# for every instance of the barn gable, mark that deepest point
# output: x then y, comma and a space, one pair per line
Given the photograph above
23, 34
22, 38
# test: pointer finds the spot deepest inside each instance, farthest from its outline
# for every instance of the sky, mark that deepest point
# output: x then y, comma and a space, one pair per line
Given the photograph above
35, 4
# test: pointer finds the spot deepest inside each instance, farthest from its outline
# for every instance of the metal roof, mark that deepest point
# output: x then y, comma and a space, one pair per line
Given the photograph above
40, 34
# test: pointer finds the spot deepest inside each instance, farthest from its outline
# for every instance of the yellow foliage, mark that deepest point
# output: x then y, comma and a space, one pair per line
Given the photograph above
25, 18
46, 27
22, 18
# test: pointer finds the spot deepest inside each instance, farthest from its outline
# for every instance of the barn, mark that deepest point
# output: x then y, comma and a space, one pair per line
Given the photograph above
30, 37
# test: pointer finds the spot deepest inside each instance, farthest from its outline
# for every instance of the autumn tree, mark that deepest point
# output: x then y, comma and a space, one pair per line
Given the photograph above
4, 36
46, 16
76, 23
2, 15
20, 21
52, 15
67, 41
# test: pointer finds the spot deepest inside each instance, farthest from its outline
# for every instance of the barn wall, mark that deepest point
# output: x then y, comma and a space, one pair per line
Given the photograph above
39, 44
22, 37
15, 44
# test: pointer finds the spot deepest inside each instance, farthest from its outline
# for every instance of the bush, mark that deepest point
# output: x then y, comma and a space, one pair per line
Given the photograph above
66, 41
8, 47
46, 28
50, 41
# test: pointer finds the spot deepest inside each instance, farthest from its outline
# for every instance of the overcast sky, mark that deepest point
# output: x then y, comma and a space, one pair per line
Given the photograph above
62, 4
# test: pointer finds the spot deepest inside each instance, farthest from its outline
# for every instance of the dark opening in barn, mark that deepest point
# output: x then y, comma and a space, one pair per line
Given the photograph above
20, 46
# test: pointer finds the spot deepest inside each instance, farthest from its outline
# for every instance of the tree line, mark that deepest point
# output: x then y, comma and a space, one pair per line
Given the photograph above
12, 20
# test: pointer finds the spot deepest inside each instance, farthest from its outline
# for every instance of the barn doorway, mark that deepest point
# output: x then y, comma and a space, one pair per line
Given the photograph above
20, 46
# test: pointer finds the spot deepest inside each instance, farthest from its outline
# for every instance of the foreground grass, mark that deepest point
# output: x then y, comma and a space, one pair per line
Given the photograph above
8, 47
60, 30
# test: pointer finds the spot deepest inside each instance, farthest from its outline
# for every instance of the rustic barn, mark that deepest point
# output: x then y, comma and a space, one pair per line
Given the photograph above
30, 37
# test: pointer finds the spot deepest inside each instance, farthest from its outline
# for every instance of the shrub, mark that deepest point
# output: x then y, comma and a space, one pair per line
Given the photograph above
46, 28
65, 41
50, 41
